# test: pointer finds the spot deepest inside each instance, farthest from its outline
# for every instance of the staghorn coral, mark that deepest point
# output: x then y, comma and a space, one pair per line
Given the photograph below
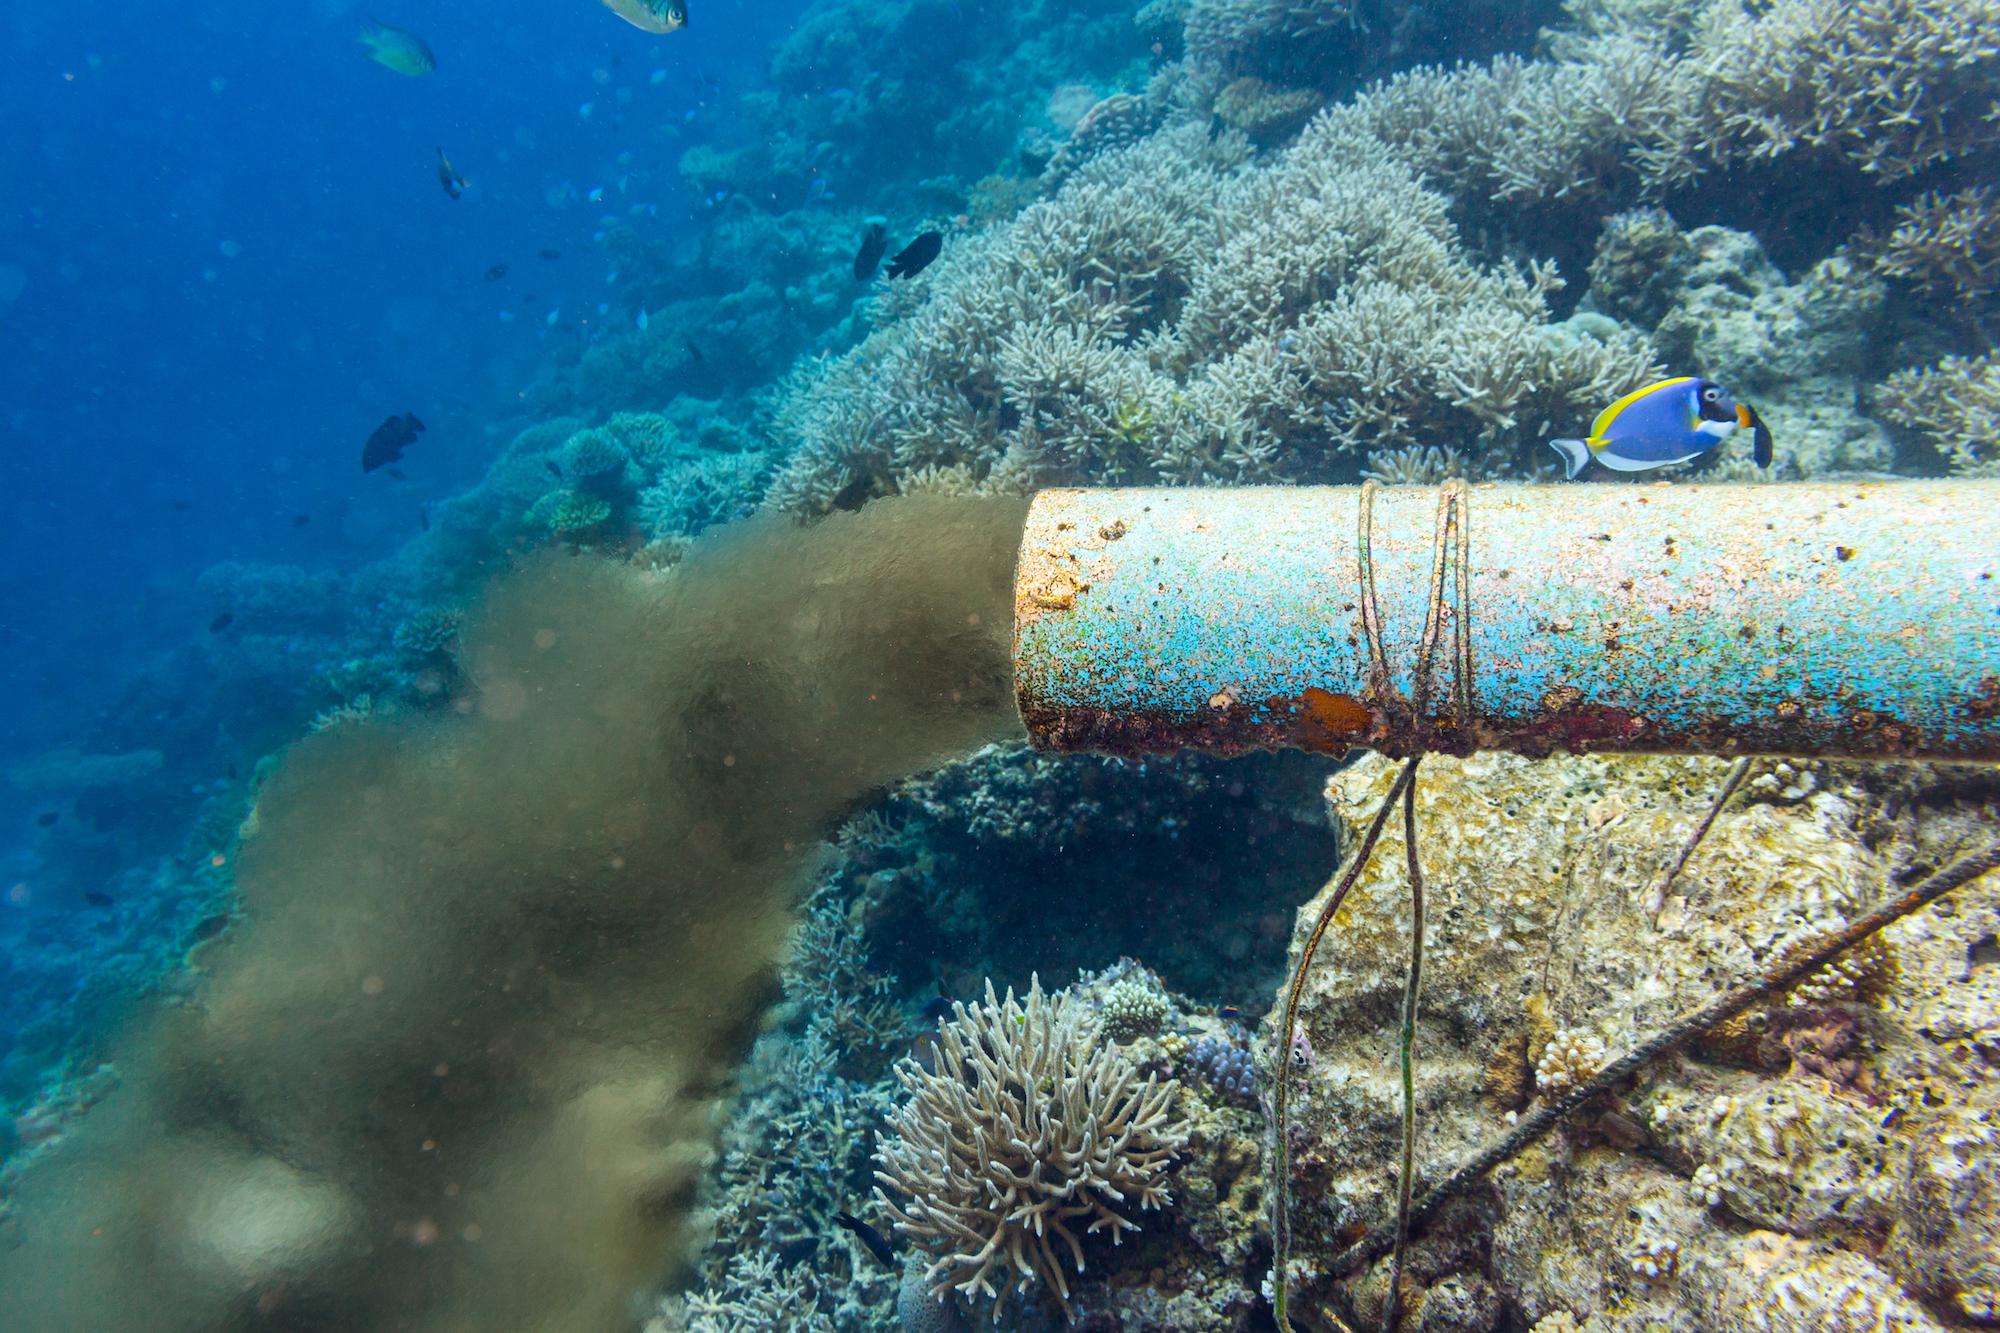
695, 494
432, 632
1949, 244
1029, 1127
1173, 316
757, 1293
1893, 86
847, 1002
1665, 93
1265, 112
1414, 465
1955, 406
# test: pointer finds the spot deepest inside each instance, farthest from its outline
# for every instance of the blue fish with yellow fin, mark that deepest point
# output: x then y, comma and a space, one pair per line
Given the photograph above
1669, 422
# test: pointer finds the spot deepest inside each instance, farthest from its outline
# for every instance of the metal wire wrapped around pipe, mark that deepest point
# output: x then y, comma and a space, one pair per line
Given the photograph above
1837, 619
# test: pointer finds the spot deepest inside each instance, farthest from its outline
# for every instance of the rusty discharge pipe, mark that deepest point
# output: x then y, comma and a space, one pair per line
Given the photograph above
1837, 619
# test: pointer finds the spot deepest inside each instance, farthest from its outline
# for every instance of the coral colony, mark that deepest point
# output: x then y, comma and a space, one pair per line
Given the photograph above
642, 866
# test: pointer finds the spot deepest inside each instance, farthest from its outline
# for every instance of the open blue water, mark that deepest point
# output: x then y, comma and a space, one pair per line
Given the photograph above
234, 259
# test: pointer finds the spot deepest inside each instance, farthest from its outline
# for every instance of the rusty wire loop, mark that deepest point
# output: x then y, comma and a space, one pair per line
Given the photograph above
1452, 534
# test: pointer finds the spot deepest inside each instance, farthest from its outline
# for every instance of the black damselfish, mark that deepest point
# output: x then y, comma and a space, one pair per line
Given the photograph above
874, 243
388, 441
915, 257
869, 1236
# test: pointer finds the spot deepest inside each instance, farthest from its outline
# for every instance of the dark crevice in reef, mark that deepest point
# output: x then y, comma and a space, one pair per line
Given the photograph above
1055, 863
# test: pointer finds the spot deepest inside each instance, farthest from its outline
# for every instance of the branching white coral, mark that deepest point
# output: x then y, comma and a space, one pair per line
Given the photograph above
1030, 1130
1956, 405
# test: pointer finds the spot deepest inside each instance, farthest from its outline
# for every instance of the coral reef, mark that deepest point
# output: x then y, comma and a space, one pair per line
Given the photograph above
1718, 306
1180, 247
1173, 315
1950, 244
1019, 861
1029, 1132
1748, 1185
1134, 1009
1954, 406
1670, 92
1224, 1066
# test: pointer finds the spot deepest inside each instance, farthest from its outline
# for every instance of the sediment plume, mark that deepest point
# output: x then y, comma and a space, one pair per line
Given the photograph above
455, 1070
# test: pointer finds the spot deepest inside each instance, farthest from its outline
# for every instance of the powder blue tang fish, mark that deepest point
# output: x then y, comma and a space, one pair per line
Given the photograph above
1668, 422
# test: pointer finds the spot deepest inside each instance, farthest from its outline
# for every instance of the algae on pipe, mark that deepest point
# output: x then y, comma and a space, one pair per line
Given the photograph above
1838, 619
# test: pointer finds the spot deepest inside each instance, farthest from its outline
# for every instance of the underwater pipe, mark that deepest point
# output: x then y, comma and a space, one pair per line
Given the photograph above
1838, 619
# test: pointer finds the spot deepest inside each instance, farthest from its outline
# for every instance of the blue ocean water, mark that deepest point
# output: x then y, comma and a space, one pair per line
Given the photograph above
226, 257
232, 258
490, 890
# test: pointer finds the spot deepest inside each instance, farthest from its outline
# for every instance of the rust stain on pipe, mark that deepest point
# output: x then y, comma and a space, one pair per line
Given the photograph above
1836, 619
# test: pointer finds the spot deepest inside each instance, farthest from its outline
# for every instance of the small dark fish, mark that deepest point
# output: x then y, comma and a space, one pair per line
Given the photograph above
555, 468
915, 257
497, 272
221, 622
424, 518
549, 252
869, 1236
211, 926
182, 506
300, 520
1215, 127
448, 177
96, 899
693, 351
874, 244
388, 441
48, 818
936, 1009
397, 474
